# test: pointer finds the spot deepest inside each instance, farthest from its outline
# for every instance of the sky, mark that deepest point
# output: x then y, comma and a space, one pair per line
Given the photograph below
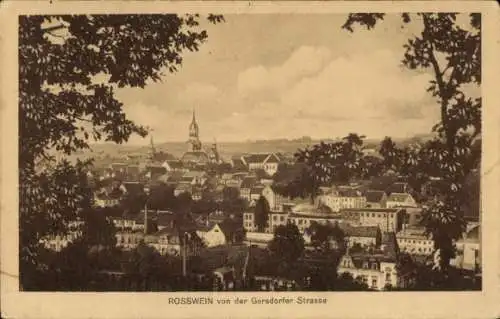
270, 76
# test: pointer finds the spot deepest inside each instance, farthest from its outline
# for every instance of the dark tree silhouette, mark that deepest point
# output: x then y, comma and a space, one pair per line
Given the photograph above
287, 244
62, 106
262, 211
453, 153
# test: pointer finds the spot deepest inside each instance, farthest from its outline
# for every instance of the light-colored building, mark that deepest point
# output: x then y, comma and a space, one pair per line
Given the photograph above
339, 199
400, 200
129, 239
249, 221
212, 235
377, 271
266, 161
277, 219
258, 239
365, 236
387, 219
469, 250
303, 215
414, 241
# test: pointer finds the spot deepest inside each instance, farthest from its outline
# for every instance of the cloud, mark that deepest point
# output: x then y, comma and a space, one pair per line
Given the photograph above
342, 92
310, 93
198, 92
304, 61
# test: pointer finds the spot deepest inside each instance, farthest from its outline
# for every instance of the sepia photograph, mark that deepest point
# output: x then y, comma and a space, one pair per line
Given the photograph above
240, 152
249, 160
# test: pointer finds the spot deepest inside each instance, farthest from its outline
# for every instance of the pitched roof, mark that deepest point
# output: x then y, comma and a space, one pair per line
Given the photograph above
193, 174
175, 164
273, 158
374, 196
367, 209
398, 197
362, 231
198, 157
238, 163
397, 187
156, 169
256, 158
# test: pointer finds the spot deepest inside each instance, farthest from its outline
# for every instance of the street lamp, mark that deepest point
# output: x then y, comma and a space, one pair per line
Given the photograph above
147, 191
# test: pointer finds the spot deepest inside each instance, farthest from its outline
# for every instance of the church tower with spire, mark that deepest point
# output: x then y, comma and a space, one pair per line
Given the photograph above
194, 135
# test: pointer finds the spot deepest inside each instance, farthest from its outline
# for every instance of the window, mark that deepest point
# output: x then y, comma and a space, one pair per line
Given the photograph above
374, 282
282, 218
365, 265
275, 218
374, 266
388, 277
373, 214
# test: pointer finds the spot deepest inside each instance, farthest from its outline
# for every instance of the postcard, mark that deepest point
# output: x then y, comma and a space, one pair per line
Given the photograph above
249, 159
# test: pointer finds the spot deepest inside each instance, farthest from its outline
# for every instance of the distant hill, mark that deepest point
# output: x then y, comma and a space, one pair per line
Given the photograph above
226, 149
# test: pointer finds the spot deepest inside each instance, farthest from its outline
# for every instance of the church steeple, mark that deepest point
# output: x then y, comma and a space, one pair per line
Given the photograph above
153, 149
194, 135
194, 130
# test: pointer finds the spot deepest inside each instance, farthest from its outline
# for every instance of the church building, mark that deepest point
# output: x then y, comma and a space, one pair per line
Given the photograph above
196, 156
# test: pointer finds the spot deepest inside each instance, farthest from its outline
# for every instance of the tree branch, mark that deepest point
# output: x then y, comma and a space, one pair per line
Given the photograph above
54, 28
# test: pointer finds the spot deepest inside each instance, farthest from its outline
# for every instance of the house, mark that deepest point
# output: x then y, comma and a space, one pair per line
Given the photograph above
249, 221
129, 239
108, 198
387, 219
277, 219
365, 236
246, 186
255, 193
338, 199
225, 278
153, 172
195, 178
211, 234
400, 200
127, 222
266, 161
168, 241
375, 270
258, 239
274, 199
174, 166
469, 250
415, 241
375, 199
398, 187
221, 233
238, 165
303, 215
